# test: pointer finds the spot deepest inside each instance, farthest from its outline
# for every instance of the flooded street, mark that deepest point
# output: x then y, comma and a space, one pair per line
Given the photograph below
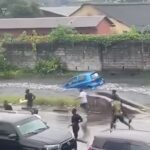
132, 88
62, 120
128, 88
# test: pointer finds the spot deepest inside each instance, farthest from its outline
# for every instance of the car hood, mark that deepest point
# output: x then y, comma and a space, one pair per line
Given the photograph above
51, 136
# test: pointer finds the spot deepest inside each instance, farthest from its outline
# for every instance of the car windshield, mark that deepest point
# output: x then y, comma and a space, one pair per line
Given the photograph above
31, 126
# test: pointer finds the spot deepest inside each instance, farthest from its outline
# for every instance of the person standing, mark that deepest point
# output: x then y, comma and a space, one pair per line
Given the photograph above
29, 97
75, 120
117, 111
83, 100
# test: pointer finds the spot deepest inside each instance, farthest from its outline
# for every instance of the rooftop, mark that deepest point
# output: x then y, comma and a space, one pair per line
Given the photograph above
136, 14
64, 10
51, 22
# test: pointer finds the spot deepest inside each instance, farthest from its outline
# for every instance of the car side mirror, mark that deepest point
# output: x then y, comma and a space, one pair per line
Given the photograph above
13, 136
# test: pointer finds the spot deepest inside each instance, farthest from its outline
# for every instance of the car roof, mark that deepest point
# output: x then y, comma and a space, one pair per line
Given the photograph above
11, 117
86, 73
133, 135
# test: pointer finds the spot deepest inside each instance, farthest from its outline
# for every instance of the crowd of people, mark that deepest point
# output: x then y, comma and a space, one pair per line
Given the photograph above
116, 107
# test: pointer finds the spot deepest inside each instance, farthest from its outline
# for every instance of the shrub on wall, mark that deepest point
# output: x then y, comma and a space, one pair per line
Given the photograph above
4, 66
68, 35
47, 66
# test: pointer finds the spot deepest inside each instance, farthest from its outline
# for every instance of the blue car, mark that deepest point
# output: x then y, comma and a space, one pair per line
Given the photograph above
85, 81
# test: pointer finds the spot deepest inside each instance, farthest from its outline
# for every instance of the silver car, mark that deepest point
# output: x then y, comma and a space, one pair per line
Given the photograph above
122, 140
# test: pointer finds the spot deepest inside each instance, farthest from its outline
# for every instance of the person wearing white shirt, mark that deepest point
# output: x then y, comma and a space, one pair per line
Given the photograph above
83, 100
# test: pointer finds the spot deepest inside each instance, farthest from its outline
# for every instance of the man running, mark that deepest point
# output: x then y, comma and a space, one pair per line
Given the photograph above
83, 100
117, 111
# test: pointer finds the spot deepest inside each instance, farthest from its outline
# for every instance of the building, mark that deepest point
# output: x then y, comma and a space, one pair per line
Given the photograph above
63, 11
100, 25
135, 14
84, 10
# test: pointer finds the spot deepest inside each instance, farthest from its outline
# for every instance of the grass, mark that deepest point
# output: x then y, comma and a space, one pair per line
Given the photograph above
52, 101
25, 73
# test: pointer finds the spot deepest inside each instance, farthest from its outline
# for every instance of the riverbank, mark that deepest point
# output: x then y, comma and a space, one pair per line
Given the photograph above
59, 101
133, 76
132, 87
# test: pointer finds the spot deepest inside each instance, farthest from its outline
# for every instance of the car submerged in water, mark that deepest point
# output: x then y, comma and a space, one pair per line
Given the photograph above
85, 80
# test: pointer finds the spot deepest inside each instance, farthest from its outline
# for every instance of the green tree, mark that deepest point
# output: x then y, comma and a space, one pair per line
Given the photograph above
61, 31
19, 8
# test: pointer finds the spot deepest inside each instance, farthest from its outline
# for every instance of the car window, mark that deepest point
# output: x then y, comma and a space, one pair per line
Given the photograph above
6, 129
95, 76
73, 80
138, 147
112, 145
31, 126
81, 78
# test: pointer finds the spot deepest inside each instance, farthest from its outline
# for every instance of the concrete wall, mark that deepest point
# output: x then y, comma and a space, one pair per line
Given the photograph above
84, 56
81, 57
123, 56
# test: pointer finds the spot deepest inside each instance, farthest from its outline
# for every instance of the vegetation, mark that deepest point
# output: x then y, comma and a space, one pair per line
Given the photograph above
61, 34
52, 101
47, 66
68, 35
18, 8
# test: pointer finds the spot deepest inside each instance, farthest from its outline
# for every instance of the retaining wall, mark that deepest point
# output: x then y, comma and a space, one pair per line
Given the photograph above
127, 55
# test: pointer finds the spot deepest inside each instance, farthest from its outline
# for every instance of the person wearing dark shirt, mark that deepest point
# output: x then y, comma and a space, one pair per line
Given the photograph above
7, 106
29, 97
76, 119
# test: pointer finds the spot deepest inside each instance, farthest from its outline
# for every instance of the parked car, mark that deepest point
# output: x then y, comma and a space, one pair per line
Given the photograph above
28, 132
122, 140
85, 81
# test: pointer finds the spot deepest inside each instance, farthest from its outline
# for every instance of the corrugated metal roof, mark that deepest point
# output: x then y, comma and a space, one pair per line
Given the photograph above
64, 10
131, 14
52, 22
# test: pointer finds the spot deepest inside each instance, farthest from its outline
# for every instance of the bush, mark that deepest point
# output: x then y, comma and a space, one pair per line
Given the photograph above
62, 31
4, 65
47, 66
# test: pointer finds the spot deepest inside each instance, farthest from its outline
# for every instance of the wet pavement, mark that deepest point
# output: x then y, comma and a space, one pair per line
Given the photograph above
136, 91
61, 120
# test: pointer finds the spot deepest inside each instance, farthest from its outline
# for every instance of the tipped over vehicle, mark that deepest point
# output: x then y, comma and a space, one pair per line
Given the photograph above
85, 81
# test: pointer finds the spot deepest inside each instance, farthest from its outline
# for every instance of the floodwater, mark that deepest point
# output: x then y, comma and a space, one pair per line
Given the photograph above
129, 87
62, 121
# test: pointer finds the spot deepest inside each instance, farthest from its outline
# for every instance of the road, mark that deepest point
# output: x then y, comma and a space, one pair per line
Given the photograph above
61, 120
